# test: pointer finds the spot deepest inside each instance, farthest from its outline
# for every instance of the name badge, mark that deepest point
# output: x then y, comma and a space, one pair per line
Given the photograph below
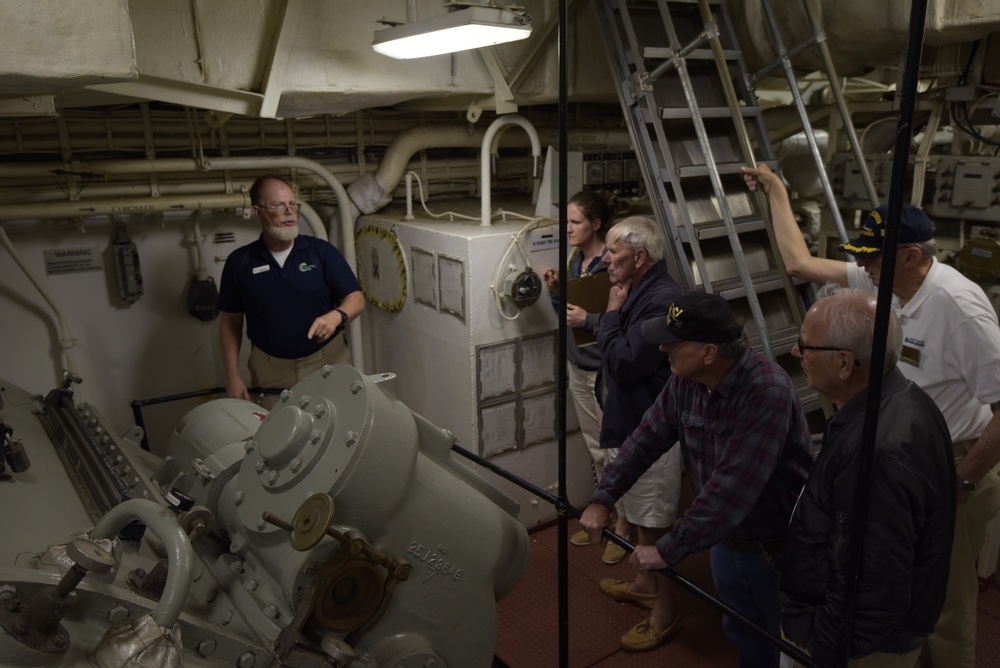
910, 355
261, 269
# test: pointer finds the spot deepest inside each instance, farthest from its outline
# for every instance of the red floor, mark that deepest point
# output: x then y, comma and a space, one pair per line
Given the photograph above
528, 634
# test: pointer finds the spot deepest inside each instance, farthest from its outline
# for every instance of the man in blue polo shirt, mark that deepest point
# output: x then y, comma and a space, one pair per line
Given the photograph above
297, 294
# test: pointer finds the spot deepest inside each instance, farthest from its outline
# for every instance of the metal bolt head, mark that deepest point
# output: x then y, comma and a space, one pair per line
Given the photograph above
319, 411
295, 465
246, 660
260, 465
117, 613
356, 386
304, 402
240, 497
270, 611
249, 446
326, 371
270, 477
206, 647
251, 584
286, 396
350, 438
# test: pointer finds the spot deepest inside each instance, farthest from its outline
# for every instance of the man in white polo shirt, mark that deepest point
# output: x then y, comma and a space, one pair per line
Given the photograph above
951, 349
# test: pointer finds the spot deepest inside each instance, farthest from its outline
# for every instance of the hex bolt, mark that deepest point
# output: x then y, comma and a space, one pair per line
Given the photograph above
295, 466
304, 402
206, 647
270, 611
260, 465
240, 497
249, 446
286, 396
270, 478
315, 435
356, 386
251, 584
117, 613
350, 438
327, 370
319, 411
246, 660
236, 566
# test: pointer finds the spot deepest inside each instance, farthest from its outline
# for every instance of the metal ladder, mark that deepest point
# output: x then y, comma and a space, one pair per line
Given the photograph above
682, 84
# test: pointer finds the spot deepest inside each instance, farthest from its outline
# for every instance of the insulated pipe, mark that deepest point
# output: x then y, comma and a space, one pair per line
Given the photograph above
180, 560
484, 158
66, 341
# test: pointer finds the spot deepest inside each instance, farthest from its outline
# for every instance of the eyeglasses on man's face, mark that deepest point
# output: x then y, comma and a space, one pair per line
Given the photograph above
803, 347
281, 207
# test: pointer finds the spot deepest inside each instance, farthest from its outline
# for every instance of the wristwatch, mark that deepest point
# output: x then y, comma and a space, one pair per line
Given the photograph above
966, 485
343, 314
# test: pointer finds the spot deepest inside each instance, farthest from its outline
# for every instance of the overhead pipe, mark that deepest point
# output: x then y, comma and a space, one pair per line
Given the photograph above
485, 171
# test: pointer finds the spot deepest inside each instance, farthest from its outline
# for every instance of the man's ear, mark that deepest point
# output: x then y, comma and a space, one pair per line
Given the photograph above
641, 257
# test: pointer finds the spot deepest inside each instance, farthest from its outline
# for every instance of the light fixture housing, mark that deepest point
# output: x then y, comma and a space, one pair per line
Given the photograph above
469, 28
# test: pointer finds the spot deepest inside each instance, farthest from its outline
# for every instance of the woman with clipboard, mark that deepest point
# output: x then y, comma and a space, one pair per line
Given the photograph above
589, 216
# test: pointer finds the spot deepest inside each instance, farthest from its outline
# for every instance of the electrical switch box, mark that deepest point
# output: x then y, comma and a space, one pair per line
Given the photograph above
126, 259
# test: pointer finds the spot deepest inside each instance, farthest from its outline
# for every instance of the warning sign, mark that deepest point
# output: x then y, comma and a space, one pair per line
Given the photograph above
72, 260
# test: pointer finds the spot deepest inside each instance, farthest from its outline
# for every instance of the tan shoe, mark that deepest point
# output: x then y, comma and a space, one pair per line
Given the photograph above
618, 590
580, 538
645, 636
613, 554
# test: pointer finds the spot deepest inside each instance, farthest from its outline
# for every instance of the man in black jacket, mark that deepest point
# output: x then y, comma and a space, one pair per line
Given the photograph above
911, 512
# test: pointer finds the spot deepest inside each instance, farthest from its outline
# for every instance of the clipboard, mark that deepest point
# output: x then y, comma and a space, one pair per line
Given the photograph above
590, 293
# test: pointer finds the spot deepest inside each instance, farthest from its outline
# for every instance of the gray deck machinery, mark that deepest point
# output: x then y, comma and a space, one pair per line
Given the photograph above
338, 530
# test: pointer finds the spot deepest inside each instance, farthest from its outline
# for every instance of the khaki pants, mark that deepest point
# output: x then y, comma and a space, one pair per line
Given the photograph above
268, 371
588, 412
953, 643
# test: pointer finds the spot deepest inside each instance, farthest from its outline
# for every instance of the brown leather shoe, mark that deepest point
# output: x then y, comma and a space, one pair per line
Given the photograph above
613, 554
645, 636
618, 590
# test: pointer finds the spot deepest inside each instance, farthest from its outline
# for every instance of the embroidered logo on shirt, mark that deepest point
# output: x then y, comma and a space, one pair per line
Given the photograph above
303, 266
916, 342
261, 269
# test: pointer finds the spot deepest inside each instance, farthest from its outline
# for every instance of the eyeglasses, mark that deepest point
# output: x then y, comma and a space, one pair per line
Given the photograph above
803, 347
281, 207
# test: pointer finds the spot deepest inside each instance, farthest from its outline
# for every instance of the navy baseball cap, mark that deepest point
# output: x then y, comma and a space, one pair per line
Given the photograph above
694, 316
914, 227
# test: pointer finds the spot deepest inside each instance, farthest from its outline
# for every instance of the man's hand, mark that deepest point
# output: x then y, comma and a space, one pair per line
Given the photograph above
575, 316
551, 278
237, 389
761, 177
617, 297
646, 558
594, 520
325, 326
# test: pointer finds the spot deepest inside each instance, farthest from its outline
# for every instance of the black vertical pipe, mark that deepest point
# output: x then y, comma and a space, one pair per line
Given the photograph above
562, 532
883, 309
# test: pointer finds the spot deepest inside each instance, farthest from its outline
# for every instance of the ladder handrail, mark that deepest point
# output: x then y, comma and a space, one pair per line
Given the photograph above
748, 154
716, 181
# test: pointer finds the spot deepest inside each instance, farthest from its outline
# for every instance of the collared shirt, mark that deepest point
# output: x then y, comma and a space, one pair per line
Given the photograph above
281, 303
951, 346
746, 449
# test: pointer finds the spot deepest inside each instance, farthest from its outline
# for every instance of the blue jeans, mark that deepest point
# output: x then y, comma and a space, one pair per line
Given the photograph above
749, 584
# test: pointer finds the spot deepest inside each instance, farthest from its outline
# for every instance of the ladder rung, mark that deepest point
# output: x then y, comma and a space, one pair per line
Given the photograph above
717, 228
733, 288
669, 113
666, 52
702, 170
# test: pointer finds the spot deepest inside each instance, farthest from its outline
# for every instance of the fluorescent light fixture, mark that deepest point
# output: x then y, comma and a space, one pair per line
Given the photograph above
469, 28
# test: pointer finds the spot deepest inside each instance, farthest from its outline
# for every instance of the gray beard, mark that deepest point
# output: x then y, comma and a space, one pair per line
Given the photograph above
283, 233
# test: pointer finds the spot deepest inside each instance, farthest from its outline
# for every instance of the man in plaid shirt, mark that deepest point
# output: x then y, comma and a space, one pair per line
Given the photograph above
746, 450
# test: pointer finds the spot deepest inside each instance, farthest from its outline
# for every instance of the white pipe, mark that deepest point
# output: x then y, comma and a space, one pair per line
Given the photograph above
484, 158
66, 341
180, 555
409, 197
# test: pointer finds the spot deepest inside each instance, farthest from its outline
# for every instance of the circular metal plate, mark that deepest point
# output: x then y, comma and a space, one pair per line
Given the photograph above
311, 521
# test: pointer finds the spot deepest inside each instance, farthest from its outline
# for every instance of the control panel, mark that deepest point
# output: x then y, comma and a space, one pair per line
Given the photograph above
967, 187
